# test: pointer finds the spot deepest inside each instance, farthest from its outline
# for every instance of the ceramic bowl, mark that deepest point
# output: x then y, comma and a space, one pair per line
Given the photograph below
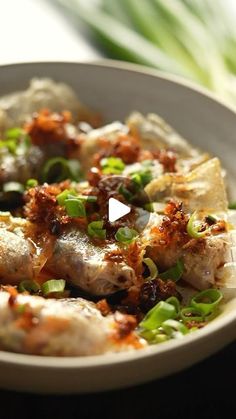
115, 89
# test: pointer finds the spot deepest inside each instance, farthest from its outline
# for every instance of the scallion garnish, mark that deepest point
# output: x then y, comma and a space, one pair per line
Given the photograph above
232, 205
95, 229
15, 187
175, 302
125, 192
75, 207
206, 301
149, 207
173, 273
188, 314
53, 286
61, 197
157, 315
112, 165
211, 219
126, 235
31, 183
87, 198
141, 178
194, 226
58, 169
174, 328
30, 286
74, 169
153, 271
14, 133
16, 140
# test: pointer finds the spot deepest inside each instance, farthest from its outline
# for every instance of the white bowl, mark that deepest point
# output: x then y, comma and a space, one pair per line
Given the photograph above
115, 89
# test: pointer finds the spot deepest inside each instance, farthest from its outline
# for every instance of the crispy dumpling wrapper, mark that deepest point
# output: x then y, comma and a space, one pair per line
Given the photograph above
202, 189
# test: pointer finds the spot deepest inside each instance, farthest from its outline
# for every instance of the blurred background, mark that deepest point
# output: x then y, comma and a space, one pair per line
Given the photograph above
195, 39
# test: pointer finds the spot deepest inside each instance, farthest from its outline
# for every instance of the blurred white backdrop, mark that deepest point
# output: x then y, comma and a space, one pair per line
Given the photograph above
34, 30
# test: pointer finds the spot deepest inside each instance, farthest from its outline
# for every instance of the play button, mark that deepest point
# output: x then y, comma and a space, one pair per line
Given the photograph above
117, 210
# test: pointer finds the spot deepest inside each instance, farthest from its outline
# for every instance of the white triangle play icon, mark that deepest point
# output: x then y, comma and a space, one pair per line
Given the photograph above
116, 209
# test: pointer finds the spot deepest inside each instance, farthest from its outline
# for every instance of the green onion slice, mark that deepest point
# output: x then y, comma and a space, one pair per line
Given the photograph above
53, 286
95, 229
174, 328
173, 273
30, 286
87, 198
141, 178
75, 207
232, 205
74, 169
153, 336
14, 133
58, 169
31, 183
11, 145
152, 269
126, 235
194, 226
112, 165
157, 315
55, 170
175, 302
61, 197
125, 192
207, 301
13, 187
188, 314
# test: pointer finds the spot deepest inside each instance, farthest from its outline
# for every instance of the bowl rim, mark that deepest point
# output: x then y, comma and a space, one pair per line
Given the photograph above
109, 359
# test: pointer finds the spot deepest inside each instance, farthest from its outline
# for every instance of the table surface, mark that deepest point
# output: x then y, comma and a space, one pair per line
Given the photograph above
206, 390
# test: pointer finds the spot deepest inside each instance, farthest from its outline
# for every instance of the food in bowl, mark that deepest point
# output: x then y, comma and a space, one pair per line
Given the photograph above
112, 237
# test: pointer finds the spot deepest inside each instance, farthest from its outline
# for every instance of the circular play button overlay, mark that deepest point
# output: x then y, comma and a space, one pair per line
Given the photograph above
126, 200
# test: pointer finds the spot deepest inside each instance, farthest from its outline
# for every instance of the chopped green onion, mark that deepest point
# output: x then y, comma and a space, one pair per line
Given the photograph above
31, 183
157, 315
55, 170
30, 286
125, 192
149, 207
210, 218
153, 336
87, 198
11, 145
206, 301
75, 207
53, 286
95, 229
175, 302
58, 169
232, 205
152, 269
173, 273
112, 165
126, 235
14, 133
188, 314
141, 178
13, 187
74, 169
194, 226
61, 197
16, 140
174, 328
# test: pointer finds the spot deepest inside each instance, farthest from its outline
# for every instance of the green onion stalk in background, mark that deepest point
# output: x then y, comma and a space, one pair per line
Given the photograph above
195, 39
